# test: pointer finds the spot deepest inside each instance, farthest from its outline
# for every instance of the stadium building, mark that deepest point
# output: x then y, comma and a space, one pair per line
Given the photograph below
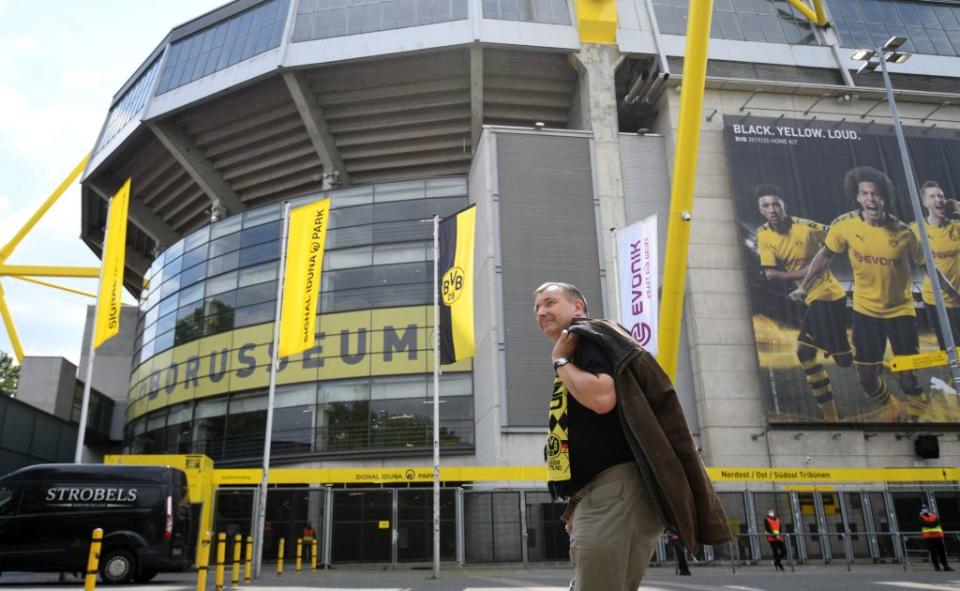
558, 119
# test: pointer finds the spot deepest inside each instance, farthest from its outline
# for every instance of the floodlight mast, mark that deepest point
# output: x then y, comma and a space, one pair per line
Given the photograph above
883, 54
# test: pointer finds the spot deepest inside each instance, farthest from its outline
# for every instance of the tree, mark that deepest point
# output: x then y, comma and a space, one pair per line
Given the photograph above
9, 375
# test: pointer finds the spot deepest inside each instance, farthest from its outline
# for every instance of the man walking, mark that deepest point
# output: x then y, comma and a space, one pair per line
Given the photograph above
933, 538
618, 449
772, 525
786, 245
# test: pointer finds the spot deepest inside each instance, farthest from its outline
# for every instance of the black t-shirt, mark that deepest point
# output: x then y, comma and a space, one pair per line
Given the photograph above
596, 441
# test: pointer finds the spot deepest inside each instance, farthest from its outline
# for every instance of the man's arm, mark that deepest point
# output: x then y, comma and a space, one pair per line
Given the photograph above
819, 264
946, 286
594, 391
778, 275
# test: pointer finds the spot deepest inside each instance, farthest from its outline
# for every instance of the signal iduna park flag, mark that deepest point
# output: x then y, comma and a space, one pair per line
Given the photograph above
107, 324
306, 238
455, 265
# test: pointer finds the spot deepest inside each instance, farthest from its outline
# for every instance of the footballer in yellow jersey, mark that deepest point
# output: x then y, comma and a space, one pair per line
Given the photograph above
944, 237
881, 250
787, 244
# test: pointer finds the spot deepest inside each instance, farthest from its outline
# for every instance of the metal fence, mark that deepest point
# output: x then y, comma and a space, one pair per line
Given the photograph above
395, 525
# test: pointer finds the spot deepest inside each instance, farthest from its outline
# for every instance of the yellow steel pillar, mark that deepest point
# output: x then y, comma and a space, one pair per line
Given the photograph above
11, 328
23, 231
817, 14
684, 175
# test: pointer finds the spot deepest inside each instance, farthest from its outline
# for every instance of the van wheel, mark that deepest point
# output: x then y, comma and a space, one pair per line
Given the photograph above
144, 576
116, 566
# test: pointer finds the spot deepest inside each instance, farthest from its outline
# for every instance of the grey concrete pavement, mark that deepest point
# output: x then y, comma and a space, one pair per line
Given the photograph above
760, 578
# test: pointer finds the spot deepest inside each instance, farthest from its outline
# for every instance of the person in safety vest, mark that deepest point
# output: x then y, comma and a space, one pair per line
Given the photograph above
773, 526
309, 535
933, 537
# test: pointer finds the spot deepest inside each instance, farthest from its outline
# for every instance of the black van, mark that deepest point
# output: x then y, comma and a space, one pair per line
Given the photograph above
49, 511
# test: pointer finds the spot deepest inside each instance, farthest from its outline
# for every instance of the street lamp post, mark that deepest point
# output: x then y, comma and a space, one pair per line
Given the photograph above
883, 54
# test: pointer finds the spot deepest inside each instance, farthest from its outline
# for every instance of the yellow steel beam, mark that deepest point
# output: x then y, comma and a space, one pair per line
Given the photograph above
684, 174
11, 329
56, 286
9, 246
49, 271
817, 14
597, 21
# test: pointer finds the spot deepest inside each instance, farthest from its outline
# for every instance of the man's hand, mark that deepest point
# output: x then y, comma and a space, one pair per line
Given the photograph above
565, 345
798, 295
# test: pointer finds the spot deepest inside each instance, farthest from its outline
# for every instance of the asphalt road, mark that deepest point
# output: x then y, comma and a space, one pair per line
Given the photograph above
761, 578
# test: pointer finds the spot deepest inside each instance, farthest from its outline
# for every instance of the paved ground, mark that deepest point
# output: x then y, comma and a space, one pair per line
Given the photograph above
760, 578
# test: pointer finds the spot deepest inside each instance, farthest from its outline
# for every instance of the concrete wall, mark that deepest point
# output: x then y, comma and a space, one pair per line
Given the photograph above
113, 360
48, 383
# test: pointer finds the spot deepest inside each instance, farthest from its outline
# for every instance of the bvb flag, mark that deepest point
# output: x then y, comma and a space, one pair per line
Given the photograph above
455, 266
107, 324
306, 238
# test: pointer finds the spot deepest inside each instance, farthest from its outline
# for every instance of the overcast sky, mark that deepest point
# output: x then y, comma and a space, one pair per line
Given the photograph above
61, 61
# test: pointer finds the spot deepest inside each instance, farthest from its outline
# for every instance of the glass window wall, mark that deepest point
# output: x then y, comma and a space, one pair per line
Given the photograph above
769, 21
376, 241
930, 27
224, 44
347, 415
323, 19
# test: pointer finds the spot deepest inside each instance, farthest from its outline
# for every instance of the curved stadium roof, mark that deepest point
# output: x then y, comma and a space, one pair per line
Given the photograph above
259, 101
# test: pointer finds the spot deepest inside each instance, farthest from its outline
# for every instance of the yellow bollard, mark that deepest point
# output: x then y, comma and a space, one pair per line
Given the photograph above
280, 558
246, 573
93, 560
235, 573
299, 554
203, 561
221, 557
313, 554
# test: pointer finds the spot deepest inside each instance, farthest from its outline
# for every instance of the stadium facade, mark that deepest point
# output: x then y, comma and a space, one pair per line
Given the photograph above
401, 109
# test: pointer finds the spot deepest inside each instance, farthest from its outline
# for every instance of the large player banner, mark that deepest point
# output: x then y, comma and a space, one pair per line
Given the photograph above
824, 335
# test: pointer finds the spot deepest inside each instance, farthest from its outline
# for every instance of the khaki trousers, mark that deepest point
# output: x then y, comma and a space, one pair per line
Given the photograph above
614, 531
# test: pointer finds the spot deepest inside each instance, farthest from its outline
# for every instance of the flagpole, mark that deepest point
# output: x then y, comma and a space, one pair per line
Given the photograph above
436, 396
85, 402
616, 275
271, 393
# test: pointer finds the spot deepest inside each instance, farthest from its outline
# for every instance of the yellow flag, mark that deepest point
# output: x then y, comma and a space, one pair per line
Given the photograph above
306, 238
111, 277
455, 263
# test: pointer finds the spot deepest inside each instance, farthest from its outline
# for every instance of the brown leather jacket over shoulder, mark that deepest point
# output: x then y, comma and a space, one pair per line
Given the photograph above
656, 429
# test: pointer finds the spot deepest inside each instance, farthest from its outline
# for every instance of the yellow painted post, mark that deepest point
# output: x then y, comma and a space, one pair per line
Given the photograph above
299, 554
280, 558
235, 573
246, 573
203, 561
684, 175
313, 554
221, 557
93, 560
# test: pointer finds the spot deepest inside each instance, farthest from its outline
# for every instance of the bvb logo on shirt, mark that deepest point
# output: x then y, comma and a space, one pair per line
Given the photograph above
451, 285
